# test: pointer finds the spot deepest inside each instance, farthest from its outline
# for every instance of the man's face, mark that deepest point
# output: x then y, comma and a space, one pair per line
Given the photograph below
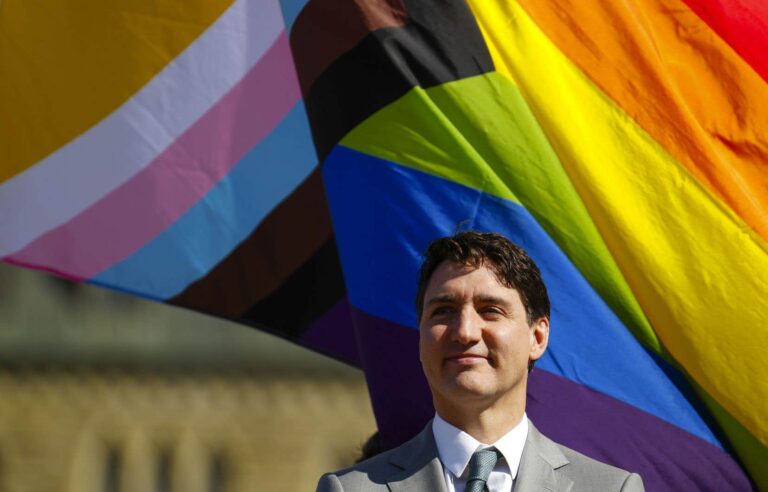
475, 341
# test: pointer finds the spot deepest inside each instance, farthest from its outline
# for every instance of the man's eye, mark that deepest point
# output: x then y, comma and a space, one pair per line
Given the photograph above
491, 311
442, 310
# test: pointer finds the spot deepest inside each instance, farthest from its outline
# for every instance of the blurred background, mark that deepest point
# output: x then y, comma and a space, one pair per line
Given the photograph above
102, 392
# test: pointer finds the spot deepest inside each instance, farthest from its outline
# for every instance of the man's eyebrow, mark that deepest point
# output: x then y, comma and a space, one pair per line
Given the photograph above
481, 299
488, 299
441, 299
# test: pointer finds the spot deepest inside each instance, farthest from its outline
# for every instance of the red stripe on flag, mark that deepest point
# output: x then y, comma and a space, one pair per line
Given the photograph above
743, 24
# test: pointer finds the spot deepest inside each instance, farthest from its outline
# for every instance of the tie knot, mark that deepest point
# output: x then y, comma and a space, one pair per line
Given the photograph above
480, 465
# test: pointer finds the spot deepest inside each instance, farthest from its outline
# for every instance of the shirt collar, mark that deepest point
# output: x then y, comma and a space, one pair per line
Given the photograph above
456, 447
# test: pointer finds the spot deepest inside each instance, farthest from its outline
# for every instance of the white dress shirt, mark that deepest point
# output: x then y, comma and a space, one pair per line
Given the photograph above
455, 447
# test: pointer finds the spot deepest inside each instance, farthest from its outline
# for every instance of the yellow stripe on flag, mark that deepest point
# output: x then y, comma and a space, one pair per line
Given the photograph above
695, 267
683, 84
67, 64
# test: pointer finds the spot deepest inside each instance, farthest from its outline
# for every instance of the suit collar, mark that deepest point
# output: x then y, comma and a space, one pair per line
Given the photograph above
420, 467
539, 464
455, 447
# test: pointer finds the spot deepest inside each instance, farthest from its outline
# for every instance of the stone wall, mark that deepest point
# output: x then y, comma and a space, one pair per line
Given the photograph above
109, 431
103, 392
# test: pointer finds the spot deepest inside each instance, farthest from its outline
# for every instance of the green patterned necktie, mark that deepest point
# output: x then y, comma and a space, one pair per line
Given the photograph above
480, 465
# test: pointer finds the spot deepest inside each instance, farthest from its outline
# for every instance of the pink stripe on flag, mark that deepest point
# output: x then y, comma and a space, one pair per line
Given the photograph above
136, 212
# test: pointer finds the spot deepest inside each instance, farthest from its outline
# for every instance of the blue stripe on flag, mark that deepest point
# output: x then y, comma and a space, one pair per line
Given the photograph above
385, 215
227, 214
291, 10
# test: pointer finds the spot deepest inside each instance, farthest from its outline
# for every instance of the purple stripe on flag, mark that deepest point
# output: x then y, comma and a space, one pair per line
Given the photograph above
667, 457
333, 335
389, 356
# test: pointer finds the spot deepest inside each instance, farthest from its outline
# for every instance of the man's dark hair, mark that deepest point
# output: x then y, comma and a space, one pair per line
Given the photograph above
511, 265
370, 448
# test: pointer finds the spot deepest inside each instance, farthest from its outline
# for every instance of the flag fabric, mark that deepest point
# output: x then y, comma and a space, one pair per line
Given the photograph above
285, 164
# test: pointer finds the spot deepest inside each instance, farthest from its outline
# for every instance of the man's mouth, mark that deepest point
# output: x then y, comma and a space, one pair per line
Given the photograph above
465, 359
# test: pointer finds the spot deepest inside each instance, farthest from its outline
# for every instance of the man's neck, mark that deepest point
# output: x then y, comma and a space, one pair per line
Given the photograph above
486, 424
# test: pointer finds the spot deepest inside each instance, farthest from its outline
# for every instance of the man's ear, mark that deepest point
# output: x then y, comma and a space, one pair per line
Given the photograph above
539, 338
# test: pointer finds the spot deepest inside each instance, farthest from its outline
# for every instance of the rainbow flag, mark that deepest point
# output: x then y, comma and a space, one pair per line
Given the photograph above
285, 164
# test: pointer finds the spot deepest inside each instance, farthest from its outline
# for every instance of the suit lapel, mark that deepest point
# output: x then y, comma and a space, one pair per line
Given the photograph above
538, 465
420, 467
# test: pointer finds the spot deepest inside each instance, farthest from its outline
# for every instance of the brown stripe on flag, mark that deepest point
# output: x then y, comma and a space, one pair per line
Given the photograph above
327, 28
291, 234
305, 297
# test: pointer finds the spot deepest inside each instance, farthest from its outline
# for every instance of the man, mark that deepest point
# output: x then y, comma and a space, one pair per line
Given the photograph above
483, 322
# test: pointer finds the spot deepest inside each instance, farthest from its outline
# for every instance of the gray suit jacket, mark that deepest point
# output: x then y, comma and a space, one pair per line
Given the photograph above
545, 465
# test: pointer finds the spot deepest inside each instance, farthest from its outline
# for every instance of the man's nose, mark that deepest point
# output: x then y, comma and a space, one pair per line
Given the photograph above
468, 327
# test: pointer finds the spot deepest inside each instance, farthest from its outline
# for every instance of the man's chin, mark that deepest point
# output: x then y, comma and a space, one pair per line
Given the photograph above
470, 384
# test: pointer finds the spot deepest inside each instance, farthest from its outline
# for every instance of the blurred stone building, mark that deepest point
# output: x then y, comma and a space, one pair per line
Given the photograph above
100, 392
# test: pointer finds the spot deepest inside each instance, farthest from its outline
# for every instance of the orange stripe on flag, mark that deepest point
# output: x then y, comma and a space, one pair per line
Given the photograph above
682, 83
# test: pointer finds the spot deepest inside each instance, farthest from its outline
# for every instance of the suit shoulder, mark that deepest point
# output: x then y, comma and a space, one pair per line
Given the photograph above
366, 475
591, 474
376, 472
381, 461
